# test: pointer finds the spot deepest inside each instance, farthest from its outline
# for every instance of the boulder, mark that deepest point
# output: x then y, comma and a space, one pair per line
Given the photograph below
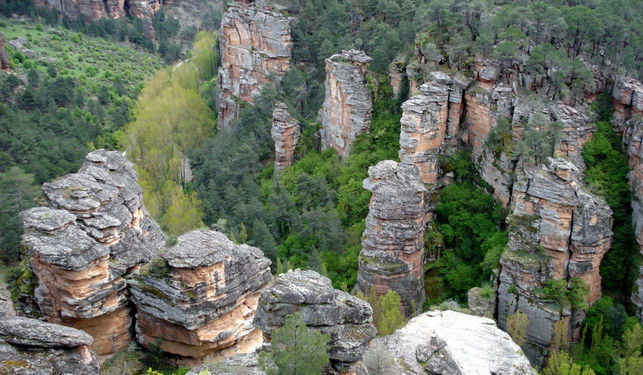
90, 233
392, 253
200, 297
348, 104
345, 318
451, 343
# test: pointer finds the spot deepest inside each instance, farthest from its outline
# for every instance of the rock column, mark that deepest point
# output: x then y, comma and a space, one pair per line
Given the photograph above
285, 132
392, 253
348, 106
4, 56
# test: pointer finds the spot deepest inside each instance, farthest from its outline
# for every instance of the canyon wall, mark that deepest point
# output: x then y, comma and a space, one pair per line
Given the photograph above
348, 104
285, 133
256, 47
200, 297
92, 10
392, 256
345, 318
92, 231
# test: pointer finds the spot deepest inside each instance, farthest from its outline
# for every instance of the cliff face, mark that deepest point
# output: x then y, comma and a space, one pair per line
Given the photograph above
392, 255
4, 56
348, 105
285, 133
448, 342
345, 318
255, 46
204, 299
92, 231
92, 10
556, 230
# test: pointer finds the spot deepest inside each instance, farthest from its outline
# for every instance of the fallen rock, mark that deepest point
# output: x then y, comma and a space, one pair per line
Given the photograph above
33, 332
285, 133
200, 297
255, 45
452, 343
347, 319
392, 253
91, 233
348, 105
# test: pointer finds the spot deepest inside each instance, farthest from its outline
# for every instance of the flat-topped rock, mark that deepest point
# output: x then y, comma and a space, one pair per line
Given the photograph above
33, 332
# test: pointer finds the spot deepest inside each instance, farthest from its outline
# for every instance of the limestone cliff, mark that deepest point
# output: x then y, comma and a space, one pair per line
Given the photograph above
348, 104
557, 229
345, 318
92, 10
448, 342
392, 255
628, 101
255, 47
285, 133
201, 296
4, 56
30, 346
92, 231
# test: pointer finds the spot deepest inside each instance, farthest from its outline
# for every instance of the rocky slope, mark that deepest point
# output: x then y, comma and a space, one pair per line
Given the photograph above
255, 47
345, 318
285, 133
392, 255
201, 296
348, 104
92, 231
30, 346
557, 229
448, 342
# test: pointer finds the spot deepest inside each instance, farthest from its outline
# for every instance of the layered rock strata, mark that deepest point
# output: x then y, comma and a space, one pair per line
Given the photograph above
448, 342
30, 346
201, 296
346, 319
427, 119
92, 10
285, 133
628, 101
558, 230
92, 231
256, 46
348, 105
392, 253
4, 56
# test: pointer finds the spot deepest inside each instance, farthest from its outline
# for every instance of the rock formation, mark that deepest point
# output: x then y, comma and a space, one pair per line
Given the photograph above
92, 231
345, 318
30, 346
556, 230
255, 46
92, 10
628, 101
348, 105
201, 296
4, 56
392, 255
285, 132
448, 342
427, 119
242, 364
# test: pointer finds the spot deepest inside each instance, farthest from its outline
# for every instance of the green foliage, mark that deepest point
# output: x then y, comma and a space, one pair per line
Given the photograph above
17, 193
387, 314
560, 363
517, 324
557, 291
296, 350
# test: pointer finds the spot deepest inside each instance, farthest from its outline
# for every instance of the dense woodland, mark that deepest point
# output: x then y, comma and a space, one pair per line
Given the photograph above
312, 215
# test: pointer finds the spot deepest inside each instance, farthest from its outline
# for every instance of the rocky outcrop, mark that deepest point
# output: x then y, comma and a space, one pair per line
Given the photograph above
558, 230
285, 133
92, 10
30, 346
4, 56
242, 364
392, 253
200, 297
92, 231
427, 120
576, 130
348, 105
628, 101
346, 319
396, 75
448, 342
255, 46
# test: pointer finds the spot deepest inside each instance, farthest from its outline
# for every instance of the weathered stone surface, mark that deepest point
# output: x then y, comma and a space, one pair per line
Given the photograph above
392, 253
556, 230
255, 46
576, 130
30, 346
92, 10
204, 300
4, 56
92, 231
242, 364
452, 343
347, 319
348, 105
396, 75
628, 100
479, 304
285, 133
